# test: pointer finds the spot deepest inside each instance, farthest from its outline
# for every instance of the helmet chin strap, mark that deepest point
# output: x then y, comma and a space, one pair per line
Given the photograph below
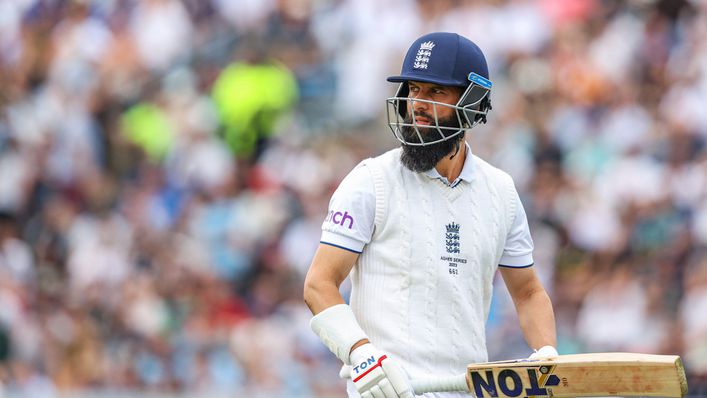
456, 150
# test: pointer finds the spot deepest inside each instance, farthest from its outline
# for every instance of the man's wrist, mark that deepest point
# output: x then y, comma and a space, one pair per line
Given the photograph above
358, 344
338, 329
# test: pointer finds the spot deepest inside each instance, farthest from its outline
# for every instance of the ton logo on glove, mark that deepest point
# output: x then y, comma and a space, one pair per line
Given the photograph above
366, 363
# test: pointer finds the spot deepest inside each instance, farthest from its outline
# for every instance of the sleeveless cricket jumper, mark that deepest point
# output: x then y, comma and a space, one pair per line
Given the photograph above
421, 289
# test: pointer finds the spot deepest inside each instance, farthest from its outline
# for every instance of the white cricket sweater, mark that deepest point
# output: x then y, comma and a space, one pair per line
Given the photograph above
421, 289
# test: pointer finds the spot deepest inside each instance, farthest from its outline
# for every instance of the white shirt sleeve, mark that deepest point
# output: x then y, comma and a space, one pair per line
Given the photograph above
352, 208
518, 252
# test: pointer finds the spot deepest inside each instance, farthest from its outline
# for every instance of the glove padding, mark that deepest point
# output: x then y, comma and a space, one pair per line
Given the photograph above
377, 376
547, 351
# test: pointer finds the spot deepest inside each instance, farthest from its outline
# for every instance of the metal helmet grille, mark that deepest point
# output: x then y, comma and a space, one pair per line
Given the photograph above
470, 110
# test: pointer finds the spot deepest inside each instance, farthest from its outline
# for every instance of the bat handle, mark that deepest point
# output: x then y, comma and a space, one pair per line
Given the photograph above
440, 384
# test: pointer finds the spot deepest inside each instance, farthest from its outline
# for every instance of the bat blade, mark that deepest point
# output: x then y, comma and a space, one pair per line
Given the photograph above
580, 375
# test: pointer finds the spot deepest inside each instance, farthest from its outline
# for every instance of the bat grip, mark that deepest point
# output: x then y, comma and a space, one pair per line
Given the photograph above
440, 384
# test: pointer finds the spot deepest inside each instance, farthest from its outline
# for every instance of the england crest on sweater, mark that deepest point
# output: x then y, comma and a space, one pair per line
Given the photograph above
452, 242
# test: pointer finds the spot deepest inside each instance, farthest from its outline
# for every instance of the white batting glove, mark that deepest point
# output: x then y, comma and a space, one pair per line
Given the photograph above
547, 351
377, 376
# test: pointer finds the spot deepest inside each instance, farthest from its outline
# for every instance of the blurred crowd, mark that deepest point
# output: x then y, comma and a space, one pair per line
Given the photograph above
165, 167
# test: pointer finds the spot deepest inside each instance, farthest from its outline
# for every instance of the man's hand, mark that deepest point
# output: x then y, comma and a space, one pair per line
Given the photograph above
377, 376
547, 351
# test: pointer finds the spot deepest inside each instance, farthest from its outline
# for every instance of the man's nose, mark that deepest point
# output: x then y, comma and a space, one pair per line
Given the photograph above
418, 105
421, 106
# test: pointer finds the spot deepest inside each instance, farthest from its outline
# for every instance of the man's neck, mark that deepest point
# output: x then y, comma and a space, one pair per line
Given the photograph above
451, 168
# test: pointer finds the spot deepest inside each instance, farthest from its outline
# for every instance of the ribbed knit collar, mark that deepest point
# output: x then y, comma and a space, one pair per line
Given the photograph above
467, 173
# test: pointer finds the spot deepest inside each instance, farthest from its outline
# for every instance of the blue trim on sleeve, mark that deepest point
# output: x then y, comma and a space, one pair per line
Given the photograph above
340, 247
518, 266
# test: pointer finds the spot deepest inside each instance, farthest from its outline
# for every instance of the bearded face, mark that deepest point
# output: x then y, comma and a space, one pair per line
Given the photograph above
423, 158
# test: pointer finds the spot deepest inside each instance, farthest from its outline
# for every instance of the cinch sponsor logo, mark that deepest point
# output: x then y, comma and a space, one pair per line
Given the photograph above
340, 218
510, 383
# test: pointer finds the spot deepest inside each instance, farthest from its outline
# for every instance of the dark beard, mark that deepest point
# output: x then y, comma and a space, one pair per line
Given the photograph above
423, 158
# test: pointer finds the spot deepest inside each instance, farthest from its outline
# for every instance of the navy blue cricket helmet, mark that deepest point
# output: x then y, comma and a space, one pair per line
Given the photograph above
446, 59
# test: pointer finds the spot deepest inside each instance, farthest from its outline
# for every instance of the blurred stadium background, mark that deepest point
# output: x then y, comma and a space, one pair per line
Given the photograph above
165, 166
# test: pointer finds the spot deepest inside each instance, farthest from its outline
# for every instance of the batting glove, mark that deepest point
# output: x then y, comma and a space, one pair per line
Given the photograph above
377, 376
547, 351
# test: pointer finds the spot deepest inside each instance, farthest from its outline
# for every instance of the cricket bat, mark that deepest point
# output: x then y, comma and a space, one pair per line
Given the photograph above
580, 375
